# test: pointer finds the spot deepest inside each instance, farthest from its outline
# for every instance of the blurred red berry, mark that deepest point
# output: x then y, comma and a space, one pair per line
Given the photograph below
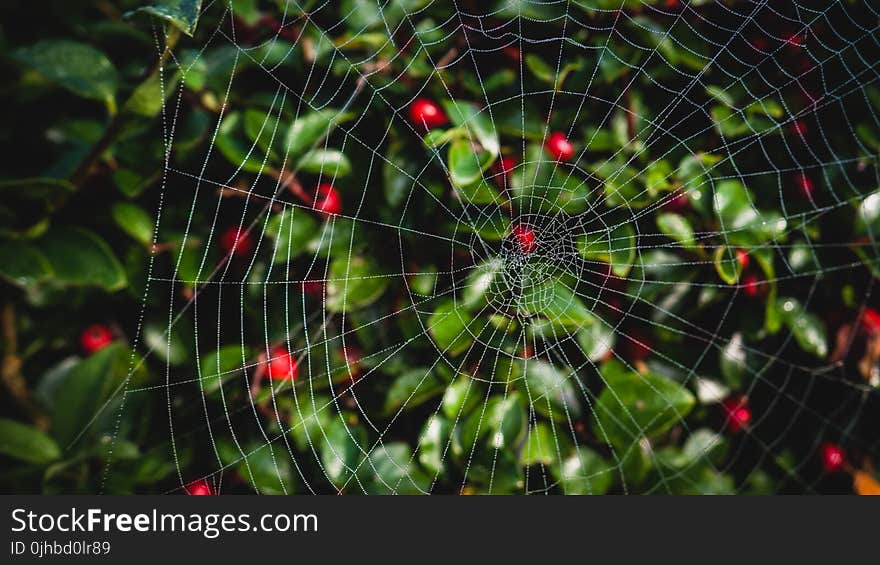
199, 488
95, 337
525, 238
314, 288
833, 458
327, 200
639, 347
282, 365
805, 185
677, 202
794, 40
236, 242
870, 321
505, 166
738, 414
352, 357
799, 128
426, 113
742, 257
753, 287
559, 147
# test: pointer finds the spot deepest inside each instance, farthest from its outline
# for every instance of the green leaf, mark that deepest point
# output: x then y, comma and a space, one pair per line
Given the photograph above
540, 69
292, 230
450, 328
727, 264
461, 396
480, 192
868, 216
551, 391
231, 145
78, 67
87, 398
133, 220
23, 264
465, 165
183, 14
389, 469
265, 467
354, 283
808, 329
328, 162
632, 406
742, 223
434, 442
617, 247
310, 415
481, 126
79, 257
246, 10
308, 129
341, 450
497, 428
483, 282
584, 472
596, 340
27, 443
150, 95
411, 389
222, 365
676, 227
174, 346
559, 308
733, 361
541, 446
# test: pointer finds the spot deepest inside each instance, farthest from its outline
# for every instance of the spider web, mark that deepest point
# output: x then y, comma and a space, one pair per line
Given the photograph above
436, 353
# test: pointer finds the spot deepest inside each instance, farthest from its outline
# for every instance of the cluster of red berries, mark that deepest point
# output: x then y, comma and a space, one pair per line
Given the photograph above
751, 284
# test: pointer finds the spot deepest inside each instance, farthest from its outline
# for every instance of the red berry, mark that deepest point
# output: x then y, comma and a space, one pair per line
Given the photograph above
639, 347
314, 288
199, 488
870, 321
559, 147
742, 257
282, 366
833, 458
327, 200
505, 167
799, 128
426, 113
805, 185
738, 414
672, 4
678, 202
513, 52
760, 44
525, 238
95, 337
753, 286
795, 40
236, 242
352, 357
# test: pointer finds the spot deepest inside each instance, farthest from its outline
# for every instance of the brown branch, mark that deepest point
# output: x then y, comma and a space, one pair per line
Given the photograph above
11, 376
84, 170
